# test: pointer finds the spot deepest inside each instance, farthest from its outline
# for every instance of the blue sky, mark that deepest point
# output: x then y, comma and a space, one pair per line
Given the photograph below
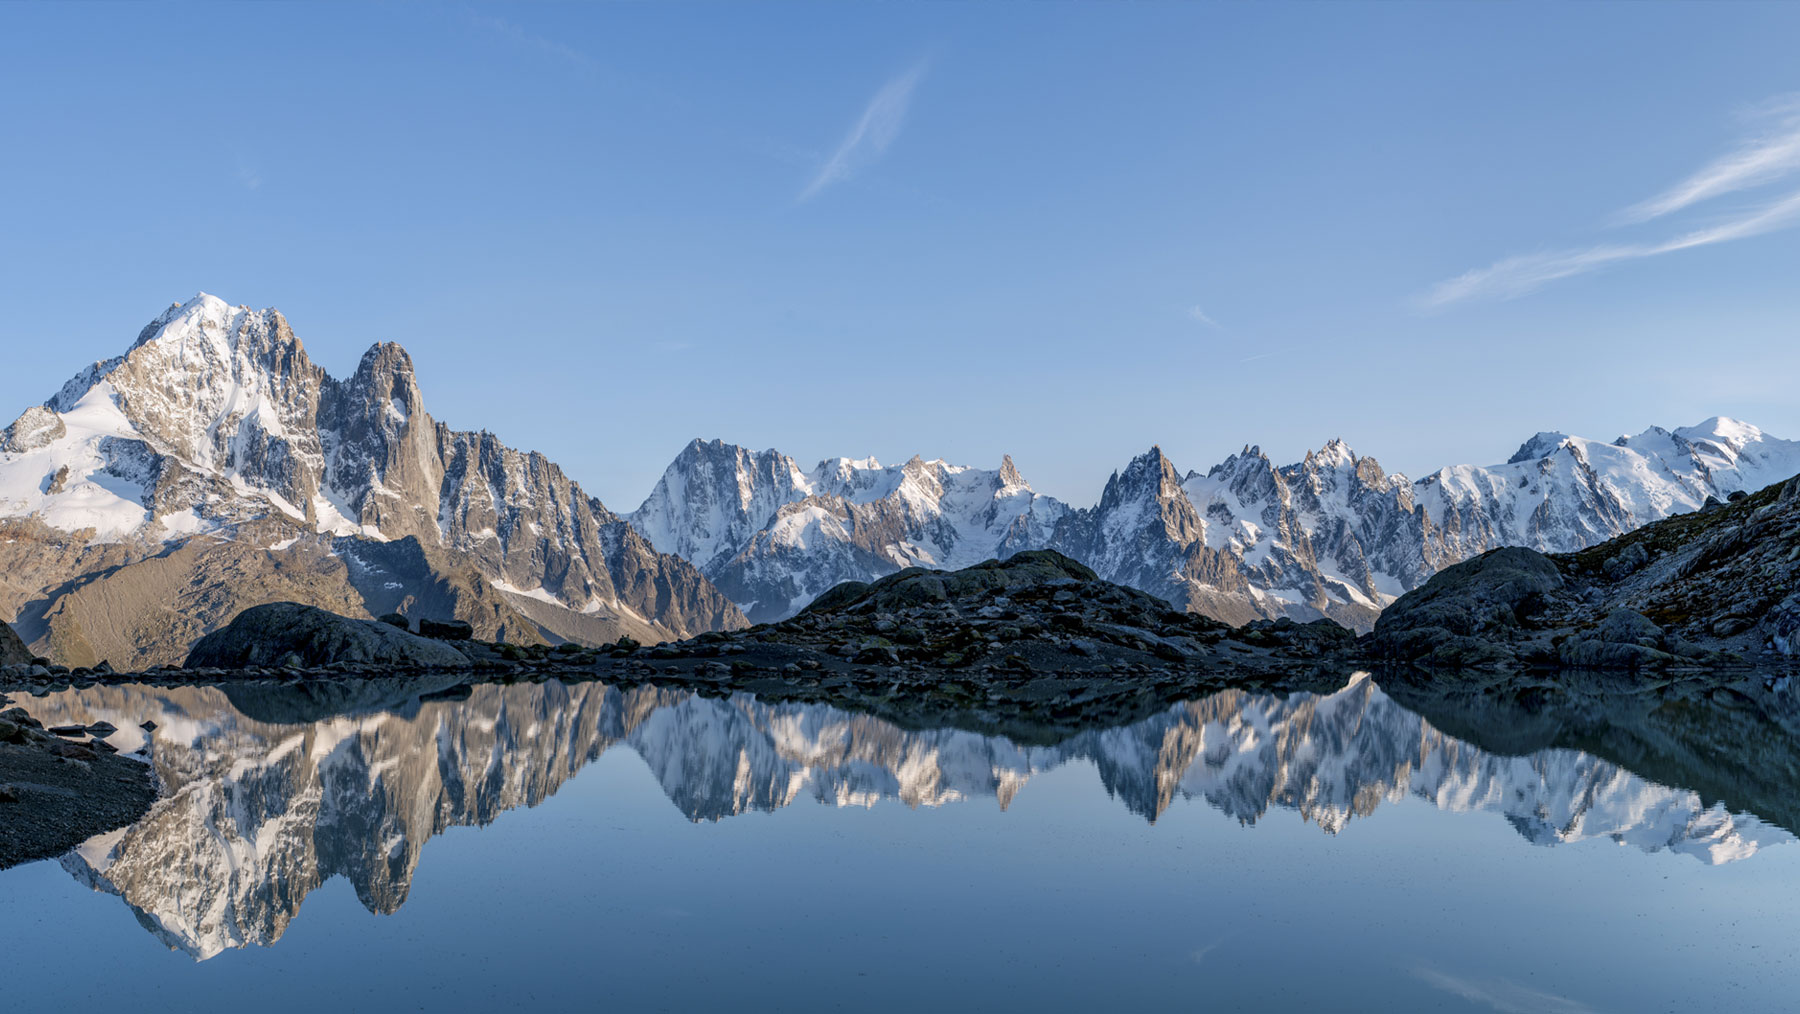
1061, 231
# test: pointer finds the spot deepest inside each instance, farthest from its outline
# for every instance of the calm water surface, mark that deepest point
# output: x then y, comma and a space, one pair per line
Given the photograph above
552, 847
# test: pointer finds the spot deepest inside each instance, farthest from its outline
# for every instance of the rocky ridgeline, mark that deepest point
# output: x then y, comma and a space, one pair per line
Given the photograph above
1035, 611
1716, 587
290, 634
289, 642
1034, 634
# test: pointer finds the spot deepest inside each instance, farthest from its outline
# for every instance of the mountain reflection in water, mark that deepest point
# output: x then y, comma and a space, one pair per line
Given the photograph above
268, 793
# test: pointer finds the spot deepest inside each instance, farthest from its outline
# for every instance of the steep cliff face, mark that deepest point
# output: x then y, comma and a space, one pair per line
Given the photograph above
215, 424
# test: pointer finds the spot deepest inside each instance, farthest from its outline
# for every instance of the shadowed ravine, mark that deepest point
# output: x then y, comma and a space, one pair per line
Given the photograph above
259, 811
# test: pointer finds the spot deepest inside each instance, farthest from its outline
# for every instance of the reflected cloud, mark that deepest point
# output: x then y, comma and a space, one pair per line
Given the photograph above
1503, 995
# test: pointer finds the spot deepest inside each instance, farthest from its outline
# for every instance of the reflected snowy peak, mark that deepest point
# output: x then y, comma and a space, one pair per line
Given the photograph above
268, 793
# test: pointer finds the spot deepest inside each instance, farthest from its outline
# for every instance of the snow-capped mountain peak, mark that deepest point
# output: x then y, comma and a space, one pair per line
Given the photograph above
1335, 454
216, 418
1541, 444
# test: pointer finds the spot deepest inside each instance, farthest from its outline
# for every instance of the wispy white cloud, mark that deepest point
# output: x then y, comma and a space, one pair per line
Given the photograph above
1503, 995
1264, 355
1200, 315
870, 136
1516, 276
1769, 156
1765, 157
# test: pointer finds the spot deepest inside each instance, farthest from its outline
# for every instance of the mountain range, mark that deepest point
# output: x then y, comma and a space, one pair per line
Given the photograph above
1332, 535
213, 466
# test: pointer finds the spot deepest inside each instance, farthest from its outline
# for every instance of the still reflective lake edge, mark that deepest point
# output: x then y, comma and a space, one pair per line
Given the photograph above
271, 794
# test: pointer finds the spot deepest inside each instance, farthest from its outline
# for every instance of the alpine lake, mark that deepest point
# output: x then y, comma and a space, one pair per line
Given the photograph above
385, 845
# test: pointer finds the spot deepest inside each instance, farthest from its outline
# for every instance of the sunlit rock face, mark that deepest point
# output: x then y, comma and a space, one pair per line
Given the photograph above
270, 792
216, 429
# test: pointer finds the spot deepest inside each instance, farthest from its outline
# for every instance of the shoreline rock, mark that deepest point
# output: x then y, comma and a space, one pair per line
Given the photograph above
290, 634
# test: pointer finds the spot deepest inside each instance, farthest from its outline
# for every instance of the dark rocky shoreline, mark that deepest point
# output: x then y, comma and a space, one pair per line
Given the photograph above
1036, 629
58, 789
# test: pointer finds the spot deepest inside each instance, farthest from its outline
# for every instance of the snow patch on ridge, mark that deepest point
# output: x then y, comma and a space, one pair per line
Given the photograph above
73, 482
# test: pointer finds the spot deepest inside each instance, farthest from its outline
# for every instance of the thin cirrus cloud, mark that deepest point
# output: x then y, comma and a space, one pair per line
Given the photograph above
1764, 158
1516, 276
871, 134
1767, 157
1201, 315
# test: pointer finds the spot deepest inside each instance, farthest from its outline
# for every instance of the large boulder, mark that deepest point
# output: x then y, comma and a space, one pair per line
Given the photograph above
1473, 613
12, 650
288, 633
918, 586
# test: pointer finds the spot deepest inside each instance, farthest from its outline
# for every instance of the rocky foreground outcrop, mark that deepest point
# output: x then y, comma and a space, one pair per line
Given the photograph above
59, 789
288, 634
1719, 586
1028, 637
1036, 611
